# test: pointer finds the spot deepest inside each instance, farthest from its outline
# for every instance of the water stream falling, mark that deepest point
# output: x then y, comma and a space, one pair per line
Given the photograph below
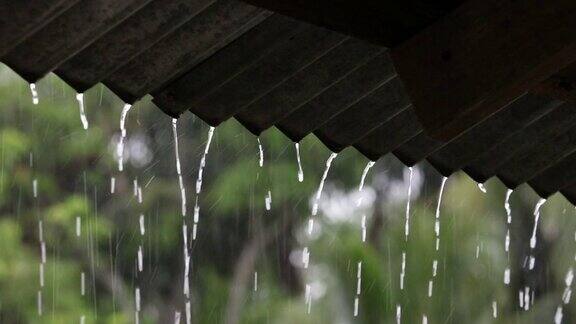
533, 242
178, 167
407, 224
186, 285
319, 192
359, 202
358, 288
34, 93
120, 147
305, 252
300, 171
199, 182
83, 119
507, 239
437, 233
261, 152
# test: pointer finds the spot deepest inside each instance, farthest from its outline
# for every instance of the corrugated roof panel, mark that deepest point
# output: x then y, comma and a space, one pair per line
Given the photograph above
66, 35
306, 84
456, 154
236, 57
488, 163
130, 38
351, 125
358, 84
273, 69
210, 30
19, 19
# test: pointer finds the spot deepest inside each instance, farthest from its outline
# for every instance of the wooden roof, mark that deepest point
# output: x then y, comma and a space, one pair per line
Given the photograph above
346, 81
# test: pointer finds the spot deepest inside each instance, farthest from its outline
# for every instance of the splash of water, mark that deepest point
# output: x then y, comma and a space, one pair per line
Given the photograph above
300, 171
34, 93
120, 147
83, 119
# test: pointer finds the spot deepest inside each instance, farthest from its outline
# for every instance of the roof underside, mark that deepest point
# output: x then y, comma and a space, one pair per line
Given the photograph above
223, 59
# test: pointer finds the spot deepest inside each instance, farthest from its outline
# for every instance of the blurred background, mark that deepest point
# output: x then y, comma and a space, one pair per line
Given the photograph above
246, 262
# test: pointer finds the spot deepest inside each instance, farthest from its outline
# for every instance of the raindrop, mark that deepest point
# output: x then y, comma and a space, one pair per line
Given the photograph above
34, 93
35, 188
39, 301
535, 230
83, 119
78, 226
140, 259
268, 200
82, 283
494, 309
112, 185
256, 281
142, 229
188, 313
558, 315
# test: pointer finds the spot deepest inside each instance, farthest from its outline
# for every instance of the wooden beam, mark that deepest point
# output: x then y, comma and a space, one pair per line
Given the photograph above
482, 56
384, 22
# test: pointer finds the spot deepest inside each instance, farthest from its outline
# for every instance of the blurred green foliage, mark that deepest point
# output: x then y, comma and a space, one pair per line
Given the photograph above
237, 236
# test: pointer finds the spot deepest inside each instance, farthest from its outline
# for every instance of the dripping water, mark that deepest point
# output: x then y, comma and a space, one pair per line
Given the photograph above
300, 171
533, 242
319, 192
120, 147
199, 182
34, 93
359, 202
437, 233
481, 187
407, 224
83, 119
507, 239
261, 152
